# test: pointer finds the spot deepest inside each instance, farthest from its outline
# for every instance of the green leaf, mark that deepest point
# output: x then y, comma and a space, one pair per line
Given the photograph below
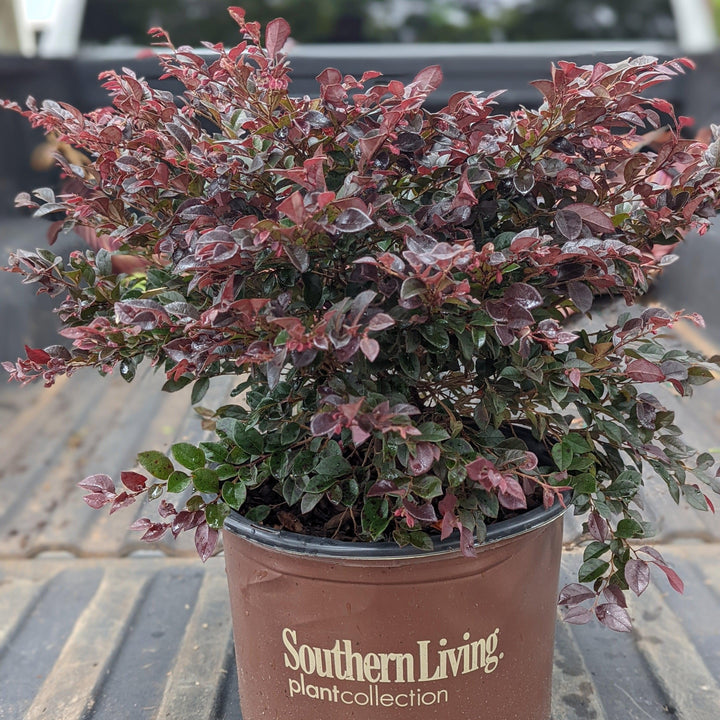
289, 433
234, 494
206, 480
705, 461
188, 455
215, 514
584, 484
479, 337
226, 471
436, 335
592, 569
628, 528
576, 442
250, 440
420, 539
175, 385
214, 451
466, 344
626, 484
199, 390
375, 517
351, 492
562, 454
155, 491
698, 375
178, 481
320, 484
309, 501
459, 446
410, 364
694, 497
292, 489
431, 432
258, 514
303, 462
427, 487
594, 550
334, 466
156, 463
559, 392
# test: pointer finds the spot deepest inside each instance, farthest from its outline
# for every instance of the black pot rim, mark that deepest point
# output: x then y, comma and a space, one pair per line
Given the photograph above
298, 544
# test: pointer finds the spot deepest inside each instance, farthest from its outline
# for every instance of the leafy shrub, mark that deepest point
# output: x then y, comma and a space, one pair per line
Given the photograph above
389, 286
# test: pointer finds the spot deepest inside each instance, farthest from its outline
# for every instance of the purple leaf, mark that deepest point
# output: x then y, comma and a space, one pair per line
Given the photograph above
574, 594
613, 594
352, 220
276, 34
524, 295
422, 460
205, 540
121, 501
644, 371
370, 348
428, 79
155, 532
578, 615
97, 500
581, 295
592, 216
512, 496
324, 424
381, 321
674, 579
597, 526
145, 314
674, 370
568, 224
614, 617
98, 484
135, 482
383, 487
637, 574
423, 513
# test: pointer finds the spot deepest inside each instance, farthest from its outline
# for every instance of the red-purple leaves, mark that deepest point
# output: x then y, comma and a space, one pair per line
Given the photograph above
598, 527
657, 559
422, 459
427, 80
352, 220
595, 219
614, 617
37, 355
637, 575
135, 482
644, 371
509, 492
568, 223
574, 594
276, 34
101, 490
206, 539
152, 531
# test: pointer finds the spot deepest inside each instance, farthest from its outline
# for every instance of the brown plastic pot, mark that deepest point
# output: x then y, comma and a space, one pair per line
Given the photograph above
329, 630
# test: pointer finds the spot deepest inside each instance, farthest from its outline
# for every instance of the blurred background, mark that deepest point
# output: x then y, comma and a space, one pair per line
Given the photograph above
56, 49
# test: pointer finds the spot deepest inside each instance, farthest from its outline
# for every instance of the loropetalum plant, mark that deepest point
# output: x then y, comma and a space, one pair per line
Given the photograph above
389, 285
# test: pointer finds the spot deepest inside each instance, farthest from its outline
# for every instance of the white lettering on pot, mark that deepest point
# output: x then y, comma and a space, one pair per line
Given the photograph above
428, 661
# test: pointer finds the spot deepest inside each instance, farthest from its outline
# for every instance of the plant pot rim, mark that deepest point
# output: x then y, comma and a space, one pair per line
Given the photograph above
299, 544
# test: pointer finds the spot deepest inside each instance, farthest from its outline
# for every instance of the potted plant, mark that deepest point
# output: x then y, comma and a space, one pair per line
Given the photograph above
411, 416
